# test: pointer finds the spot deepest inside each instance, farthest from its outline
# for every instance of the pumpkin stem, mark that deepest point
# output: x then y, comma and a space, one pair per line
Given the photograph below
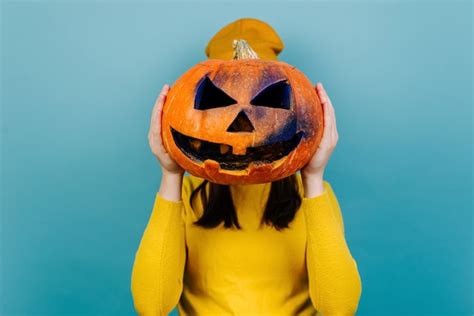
242, 50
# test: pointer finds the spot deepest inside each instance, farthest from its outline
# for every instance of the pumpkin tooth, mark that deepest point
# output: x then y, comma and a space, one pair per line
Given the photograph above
239, 150
224, 148
195, 143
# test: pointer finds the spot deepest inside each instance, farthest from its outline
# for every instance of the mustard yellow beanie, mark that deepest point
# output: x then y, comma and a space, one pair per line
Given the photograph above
260, 36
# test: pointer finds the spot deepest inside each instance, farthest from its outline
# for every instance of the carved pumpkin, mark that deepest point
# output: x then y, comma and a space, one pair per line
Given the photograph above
242, 121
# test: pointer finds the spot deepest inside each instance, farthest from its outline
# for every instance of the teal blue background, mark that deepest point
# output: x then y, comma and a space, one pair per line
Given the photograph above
78, 181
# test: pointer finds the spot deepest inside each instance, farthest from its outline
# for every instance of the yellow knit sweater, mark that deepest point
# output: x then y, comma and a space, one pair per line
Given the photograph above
304, 270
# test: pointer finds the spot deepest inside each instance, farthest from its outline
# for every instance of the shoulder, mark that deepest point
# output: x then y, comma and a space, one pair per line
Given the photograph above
190, 183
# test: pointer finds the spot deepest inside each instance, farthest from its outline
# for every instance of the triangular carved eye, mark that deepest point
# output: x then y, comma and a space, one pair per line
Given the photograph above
276, 95
208, 96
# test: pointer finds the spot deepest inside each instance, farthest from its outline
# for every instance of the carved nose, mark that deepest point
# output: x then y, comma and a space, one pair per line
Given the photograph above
241, 124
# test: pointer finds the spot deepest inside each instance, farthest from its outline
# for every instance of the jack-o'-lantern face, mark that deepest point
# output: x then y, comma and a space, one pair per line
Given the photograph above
242, 121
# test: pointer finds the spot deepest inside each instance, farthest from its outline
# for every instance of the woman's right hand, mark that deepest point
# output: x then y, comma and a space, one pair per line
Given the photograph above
155, 139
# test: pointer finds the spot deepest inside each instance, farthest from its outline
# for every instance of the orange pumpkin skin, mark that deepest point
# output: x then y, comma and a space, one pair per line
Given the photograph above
242, 80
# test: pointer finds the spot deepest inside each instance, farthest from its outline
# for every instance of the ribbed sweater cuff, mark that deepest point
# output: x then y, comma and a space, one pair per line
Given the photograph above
318, 211
167, 203
165, 209
320, 201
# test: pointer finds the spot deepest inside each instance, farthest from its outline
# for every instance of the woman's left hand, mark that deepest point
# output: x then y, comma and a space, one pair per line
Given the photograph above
313, 172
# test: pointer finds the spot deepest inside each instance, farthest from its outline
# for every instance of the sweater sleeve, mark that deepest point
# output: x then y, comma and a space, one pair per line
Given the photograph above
157, 276
334, 282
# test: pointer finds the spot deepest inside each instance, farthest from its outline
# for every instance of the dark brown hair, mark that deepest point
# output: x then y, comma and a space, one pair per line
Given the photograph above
282, 204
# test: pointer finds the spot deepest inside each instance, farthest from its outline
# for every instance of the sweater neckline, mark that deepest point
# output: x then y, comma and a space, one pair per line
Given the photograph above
245, 190
249, 187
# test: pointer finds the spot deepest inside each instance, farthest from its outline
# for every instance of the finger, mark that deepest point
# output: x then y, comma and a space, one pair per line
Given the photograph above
155, 124
324, 96
324, 100
322, 93
331, 109
333, 119
334, 124
155, 128
329, 134
327, 124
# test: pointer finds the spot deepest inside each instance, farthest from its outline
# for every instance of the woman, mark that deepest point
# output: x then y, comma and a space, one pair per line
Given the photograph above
260, 249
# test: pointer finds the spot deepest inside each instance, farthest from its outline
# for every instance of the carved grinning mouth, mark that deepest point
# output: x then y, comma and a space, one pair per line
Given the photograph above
201, 150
